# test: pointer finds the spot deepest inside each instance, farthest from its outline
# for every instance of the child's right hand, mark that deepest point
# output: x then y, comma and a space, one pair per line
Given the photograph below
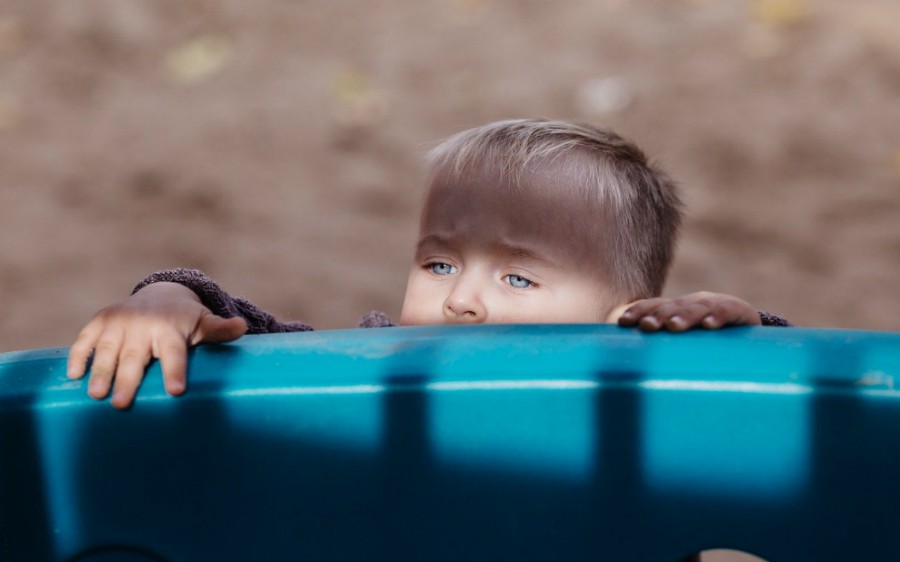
160, 321
696, 310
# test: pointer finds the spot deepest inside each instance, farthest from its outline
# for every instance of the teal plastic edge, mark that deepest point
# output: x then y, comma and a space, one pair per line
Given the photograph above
567, 442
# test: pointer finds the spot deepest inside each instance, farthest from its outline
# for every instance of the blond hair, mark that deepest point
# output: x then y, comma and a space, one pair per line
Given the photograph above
609, 172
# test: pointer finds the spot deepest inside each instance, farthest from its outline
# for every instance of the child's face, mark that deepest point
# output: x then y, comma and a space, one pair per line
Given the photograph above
489, 255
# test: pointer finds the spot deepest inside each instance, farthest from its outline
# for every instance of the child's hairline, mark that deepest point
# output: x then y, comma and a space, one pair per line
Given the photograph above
613, 172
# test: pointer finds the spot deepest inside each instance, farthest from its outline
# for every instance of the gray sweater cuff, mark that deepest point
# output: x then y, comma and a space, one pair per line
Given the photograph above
773, 320
221, 303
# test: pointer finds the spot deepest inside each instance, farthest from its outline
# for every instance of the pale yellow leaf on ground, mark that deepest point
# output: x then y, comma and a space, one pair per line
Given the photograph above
781, 12
356, 102
199, 59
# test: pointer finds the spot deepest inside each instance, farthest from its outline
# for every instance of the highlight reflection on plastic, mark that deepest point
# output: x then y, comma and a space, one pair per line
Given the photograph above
766, 453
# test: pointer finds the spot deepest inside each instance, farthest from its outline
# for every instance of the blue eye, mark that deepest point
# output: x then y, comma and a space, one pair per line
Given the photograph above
518, 281
439, 268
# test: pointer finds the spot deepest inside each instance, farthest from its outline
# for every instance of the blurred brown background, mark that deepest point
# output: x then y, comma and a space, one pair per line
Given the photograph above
277, 144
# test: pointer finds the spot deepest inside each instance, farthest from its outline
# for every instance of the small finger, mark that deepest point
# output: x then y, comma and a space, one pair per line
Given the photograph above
650, 323
103, 368
172, 355
687, 316
659, 317
81, 351
130, 371
732, 313
639, 310
712, 322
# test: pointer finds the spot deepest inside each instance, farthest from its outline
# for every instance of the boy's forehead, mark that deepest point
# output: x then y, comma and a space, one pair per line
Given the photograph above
538, 209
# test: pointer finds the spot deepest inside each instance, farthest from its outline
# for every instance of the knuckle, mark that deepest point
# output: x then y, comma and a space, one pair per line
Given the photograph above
700, 302
133, 355
80, 349
104, 363
173, 343
104, 315
102, 371
107, 343
173, 353
700, 297
699, 308
668, 307
723, 308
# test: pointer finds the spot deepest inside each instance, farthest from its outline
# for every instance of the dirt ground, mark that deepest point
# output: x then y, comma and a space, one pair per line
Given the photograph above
277, 144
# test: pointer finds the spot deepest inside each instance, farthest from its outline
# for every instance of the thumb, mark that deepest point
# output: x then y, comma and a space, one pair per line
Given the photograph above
215, 329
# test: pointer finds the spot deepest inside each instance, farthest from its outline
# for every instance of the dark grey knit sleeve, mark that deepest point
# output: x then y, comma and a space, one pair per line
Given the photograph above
375, 319
773, 320
221, 303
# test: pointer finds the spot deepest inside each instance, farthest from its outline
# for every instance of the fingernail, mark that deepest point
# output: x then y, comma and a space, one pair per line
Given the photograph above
677, 321
175, 387
118, 400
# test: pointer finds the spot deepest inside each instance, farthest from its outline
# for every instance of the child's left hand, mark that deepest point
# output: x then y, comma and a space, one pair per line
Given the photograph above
703, 309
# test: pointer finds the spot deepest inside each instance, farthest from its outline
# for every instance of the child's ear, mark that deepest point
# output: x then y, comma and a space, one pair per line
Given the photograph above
615, 313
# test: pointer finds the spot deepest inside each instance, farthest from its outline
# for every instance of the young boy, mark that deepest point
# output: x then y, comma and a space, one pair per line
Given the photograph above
525, 221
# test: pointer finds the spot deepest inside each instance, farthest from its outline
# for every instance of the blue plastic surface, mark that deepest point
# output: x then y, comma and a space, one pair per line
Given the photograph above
466, 443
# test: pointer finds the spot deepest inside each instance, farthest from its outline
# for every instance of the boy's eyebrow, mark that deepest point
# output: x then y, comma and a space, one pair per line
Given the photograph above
432, 240
499, 247
520, 252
